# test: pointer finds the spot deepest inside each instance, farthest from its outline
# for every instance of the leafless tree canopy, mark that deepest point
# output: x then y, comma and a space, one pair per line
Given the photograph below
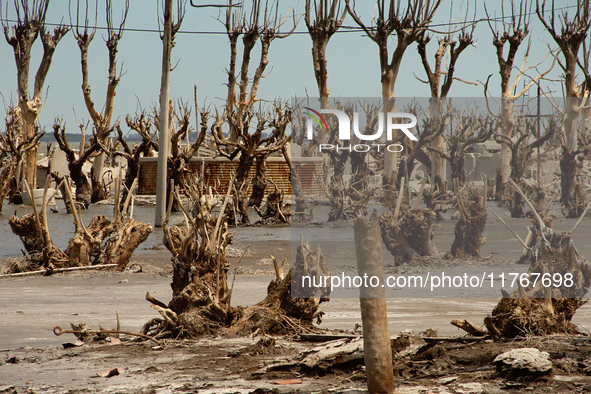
323, 19
30, 16
408, 20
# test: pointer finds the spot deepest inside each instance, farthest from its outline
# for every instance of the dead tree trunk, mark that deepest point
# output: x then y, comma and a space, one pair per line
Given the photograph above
453, 49
13, 149
409, 235
275, 210
468, 231
573, 32
521, 150
374, 315
201, 302
252, 148
33, 231
327, 21
282, 312
299, 215
545, 306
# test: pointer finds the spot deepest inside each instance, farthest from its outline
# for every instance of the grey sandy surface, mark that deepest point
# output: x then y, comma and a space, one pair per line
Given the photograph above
30, 307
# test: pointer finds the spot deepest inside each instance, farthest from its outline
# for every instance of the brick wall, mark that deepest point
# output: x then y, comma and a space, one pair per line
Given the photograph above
218, 172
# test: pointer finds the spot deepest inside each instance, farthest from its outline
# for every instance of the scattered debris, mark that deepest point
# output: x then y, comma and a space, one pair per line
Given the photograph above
287, 381
82, 332
524, 363
107, 373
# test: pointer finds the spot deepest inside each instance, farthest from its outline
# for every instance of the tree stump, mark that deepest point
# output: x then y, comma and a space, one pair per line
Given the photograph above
468, 230
410, 236
276, 211
201, 302
564, 278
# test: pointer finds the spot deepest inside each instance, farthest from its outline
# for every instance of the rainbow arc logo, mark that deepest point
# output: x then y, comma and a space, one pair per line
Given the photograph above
317, 117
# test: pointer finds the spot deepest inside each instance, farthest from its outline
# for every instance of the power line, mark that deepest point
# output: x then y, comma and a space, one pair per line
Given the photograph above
343, 29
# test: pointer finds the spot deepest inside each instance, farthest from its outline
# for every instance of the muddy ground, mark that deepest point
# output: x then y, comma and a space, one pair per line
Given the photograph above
33, 359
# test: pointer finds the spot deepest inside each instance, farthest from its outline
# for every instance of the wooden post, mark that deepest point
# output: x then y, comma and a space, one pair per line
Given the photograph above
376, 336
164, 118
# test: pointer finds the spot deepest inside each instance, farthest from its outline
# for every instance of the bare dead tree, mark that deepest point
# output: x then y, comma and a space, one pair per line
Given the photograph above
468, 128
102, 121
409, 22
521, 148
450, 47
142, 125
180, 155
328, 18
511, 35
323, 19
428, 132
348, 199
572, 34
261, 25
76, 162
12, 151
30, 24
253, 148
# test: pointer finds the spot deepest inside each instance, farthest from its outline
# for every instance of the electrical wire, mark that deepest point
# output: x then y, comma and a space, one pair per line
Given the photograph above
343, 29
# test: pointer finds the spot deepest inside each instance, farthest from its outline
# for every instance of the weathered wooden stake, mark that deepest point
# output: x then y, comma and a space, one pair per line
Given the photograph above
163, 148
376, 336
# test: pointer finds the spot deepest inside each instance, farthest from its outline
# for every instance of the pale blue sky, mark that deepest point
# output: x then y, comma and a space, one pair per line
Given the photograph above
202, 60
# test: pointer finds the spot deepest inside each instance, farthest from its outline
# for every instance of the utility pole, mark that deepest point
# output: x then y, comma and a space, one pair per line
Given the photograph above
163, 140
